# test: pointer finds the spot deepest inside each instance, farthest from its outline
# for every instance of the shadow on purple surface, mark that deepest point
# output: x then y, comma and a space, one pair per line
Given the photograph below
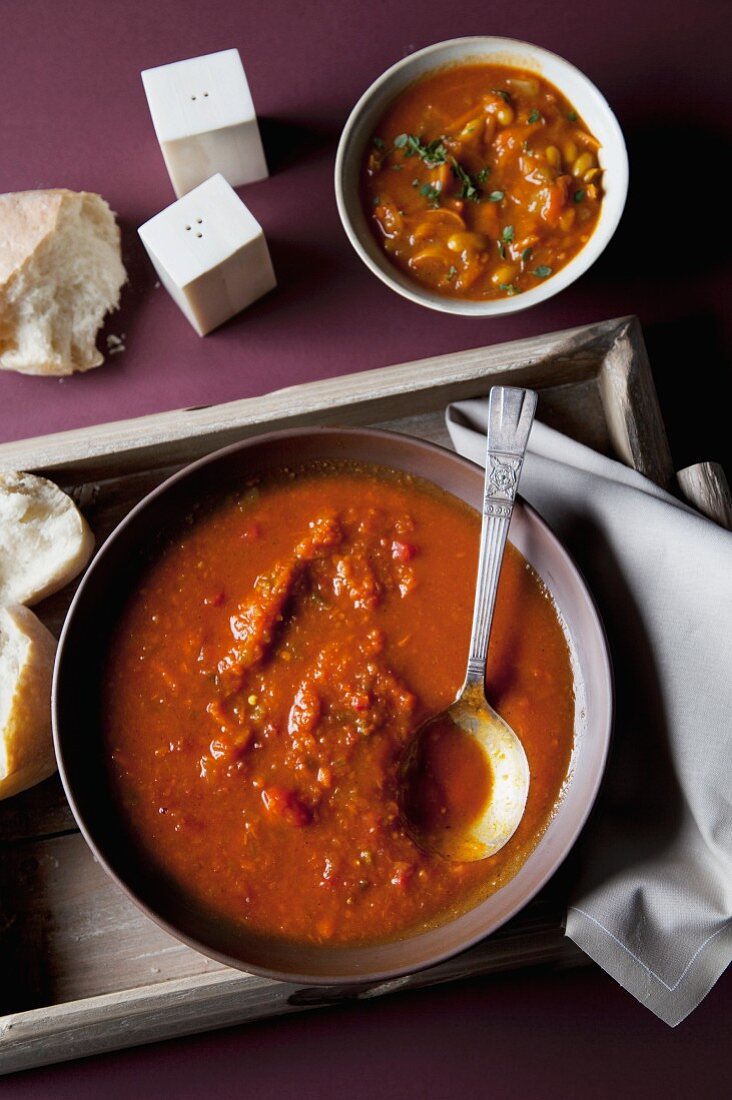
294, 141
663, 250
532, 1034
691, 372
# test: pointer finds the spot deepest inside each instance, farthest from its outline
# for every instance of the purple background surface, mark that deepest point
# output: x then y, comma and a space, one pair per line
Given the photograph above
73, 113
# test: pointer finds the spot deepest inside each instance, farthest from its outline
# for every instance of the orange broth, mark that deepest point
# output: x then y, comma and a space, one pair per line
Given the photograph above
481, 181
267, 675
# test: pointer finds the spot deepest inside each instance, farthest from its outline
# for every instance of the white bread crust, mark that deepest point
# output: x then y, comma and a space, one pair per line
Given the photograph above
44, 539
27, 652
61, 271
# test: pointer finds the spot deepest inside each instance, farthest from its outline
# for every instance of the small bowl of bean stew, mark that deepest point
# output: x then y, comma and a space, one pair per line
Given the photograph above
481, 176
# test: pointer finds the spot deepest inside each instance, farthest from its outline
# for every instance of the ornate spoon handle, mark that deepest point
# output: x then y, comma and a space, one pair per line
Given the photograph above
510, 416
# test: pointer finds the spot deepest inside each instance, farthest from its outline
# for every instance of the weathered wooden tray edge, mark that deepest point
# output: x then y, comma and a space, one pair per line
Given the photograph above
629, 397
191, 1005
181, 1006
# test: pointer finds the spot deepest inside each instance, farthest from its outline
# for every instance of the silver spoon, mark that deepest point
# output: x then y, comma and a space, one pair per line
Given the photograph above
503, 763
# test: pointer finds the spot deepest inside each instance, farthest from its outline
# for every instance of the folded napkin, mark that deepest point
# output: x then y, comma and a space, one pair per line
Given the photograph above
653, 898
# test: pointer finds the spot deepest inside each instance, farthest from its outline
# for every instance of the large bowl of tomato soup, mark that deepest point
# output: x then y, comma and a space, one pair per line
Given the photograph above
244, 666
481, 175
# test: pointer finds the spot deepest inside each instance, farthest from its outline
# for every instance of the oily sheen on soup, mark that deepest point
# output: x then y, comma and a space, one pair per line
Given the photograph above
267, 674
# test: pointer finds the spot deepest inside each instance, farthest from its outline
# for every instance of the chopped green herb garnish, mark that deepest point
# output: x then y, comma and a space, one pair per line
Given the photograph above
431, 192
527, 254
542, 271
452, 272
572, 116
433, 154
378, 142
507, 233
509, 288
501, 250
468, 189
496, 196
504, 95
579, 195
534, 116
482, 175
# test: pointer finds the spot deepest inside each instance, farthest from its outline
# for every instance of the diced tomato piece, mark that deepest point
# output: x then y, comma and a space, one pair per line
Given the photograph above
555, 199
243, 741
305, 711
402, 551
325, 776
215, 600
287, 805
401, 874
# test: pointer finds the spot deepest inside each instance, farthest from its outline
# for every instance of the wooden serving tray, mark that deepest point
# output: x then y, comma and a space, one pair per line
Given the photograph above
81, 969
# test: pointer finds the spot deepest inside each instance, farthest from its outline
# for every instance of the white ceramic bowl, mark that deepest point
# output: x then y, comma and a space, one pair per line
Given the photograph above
581, 93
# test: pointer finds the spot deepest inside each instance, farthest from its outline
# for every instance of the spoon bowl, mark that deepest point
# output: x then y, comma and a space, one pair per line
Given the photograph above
466, 778
467, 781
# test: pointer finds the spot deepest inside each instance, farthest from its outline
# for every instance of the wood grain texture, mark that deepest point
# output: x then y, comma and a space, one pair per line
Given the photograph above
631, 406
553, 362
705, 486
81, 969
76, 935
202, 1002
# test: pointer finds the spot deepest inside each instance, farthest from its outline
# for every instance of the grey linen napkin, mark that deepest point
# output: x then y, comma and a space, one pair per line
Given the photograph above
653, 899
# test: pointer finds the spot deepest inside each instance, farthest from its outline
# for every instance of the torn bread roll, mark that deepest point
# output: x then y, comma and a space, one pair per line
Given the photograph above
27, 651
61, 271
44, 539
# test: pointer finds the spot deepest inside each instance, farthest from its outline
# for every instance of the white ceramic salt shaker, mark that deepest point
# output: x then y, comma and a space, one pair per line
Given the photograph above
210, 253
205, 121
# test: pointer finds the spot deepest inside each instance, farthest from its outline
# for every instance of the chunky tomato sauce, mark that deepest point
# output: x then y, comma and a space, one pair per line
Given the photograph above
267, 675
481, 181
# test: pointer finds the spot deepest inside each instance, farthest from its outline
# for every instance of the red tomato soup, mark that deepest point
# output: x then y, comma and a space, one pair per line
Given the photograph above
268, 673
482, 181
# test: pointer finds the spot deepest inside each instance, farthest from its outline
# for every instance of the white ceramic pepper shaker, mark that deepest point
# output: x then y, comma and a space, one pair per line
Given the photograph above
210, 253
205, 121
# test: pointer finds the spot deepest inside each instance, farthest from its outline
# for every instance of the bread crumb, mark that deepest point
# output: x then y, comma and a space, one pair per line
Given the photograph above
115, 344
